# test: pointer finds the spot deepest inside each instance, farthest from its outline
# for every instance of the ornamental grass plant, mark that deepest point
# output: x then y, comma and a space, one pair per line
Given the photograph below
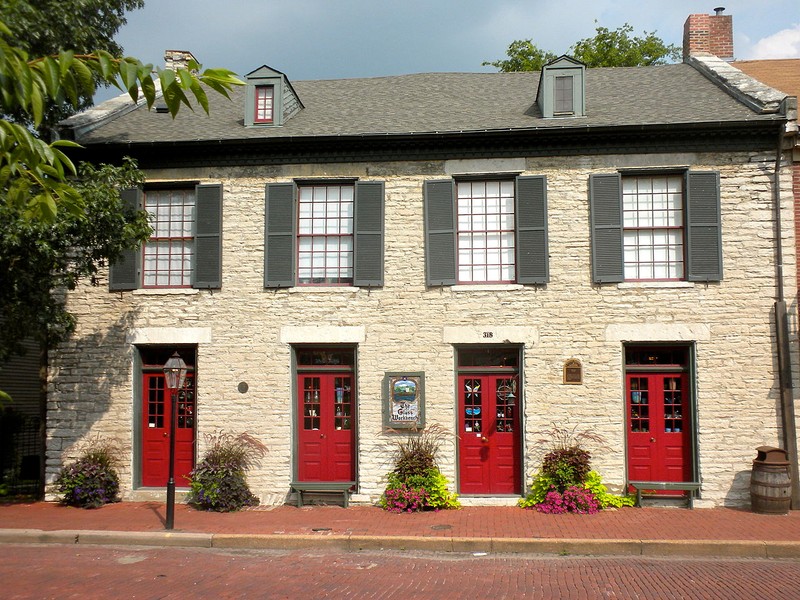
416, 483
565, 481
218, 483
92, 480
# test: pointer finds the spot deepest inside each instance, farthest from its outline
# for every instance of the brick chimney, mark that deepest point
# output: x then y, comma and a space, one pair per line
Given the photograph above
177, 59
709, 33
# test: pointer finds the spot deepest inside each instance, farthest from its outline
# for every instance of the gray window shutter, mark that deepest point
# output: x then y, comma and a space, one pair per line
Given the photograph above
703, 227
208, 237
279, 245
605, 200
124, 273
368, 242
440, 232
531, 218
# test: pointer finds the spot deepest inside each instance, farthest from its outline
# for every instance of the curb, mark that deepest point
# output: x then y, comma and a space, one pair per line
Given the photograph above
356, 543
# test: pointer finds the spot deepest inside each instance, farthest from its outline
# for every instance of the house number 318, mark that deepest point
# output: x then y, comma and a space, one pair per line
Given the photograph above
488, 334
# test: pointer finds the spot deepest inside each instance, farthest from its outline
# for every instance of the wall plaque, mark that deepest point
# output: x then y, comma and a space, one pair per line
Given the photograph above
404, 400
573, 372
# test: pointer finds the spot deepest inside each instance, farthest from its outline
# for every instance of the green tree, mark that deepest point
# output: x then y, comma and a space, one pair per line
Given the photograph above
45, 27
41, 259
618, 49
606, 49
58, 223
523, 55
34, 175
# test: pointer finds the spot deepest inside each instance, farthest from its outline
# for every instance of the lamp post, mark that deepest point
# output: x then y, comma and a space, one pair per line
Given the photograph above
175, 375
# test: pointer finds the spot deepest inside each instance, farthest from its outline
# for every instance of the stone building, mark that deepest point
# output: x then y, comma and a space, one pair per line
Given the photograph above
494, 253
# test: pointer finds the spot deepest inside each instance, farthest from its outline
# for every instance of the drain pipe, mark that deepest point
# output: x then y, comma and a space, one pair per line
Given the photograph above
788, 423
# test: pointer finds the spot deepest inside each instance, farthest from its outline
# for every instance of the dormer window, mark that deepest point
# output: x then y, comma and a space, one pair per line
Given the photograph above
264, 100
563, 102
561, 90
270, 100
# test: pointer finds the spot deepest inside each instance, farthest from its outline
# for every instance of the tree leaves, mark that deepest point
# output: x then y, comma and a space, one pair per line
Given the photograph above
618, 49
35, 174
606, 49
523, 55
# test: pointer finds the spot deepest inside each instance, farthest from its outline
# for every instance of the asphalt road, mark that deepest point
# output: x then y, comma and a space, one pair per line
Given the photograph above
57, 571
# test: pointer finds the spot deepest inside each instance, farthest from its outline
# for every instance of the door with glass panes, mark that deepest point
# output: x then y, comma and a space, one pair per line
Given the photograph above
156, 416
489, 422
326, 436
657, 404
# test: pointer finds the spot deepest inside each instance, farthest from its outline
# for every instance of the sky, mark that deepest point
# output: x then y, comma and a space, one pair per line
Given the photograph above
334, 39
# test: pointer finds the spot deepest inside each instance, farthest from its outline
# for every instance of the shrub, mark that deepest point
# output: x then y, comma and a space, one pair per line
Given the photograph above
404, 498
218, 482
418, 492
416, 483
574, 499
565, 482
92, 480
594, 484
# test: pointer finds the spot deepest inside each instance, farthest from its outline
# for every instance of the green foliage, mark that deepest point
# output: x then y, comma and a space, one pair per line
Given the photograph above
416, 483
37, 257
416, 453
567, 466
618, 49
606, 49
45, 26
34, 175
92, 480
523, 55
51, 25
426, 491
565, 473
538, 490
542, 485
218, 483
594, 483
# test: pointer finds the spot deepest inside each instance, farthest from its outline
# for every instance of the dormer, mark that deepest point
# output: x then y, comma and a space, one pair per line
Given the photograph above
270, 99
562, 89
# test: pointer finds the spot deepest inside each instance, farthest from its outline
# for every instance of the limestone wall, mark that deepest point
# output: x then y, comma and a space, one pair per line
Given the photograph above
243, 329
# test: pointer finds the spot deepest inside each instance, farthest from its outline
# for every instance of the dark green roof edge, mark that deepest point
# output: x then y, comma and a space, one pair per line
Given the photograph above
573, 141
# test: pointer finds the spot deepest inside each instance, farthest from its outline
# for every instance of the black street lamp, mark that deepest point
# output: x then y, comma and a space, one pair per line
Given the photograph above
174, 374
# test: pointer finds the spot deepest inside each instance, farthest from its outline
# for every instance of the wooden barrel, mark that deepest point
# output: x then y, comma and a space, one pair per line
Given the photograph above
770, 488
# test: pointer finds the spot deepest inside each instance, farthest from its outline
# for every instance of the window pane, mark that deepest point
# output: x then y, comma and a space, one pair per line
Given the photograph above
485, 221
167, 255
325, 228
653, 222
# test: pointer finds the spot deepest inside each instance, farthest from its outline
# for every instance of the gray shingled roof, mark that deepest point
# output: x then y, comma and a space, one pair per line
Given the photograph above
446, 102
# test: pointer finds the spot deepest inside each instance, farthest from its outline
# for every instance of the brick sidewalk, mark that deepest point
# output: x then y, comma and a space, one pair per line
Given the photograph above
469, 522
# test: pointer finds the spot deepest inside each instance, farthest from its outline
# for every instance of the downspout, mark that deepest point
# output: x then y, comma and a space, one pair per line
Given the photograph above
782, 341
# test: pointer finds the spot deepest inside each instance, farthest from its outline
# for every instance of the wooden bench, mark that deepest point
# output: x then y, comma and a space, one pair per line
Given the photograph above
686, 486
323, 487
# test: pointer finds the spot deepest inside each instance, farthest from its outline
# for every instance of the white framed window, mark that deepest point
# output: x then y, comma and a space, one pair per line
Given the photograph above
653, 227
168, 254
325, 234
264, 104
486, 231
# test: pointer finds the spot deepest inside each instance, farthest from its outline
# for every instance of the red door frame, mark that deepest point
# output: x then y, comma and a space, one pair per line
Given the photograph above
326, 425
659, 425
489, 433
156, 417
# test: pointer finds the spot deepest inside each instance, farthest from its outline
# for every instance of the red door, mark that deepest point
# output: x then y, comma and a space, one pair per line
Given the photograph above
327, 427
156, 413
489, 445
658, 427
